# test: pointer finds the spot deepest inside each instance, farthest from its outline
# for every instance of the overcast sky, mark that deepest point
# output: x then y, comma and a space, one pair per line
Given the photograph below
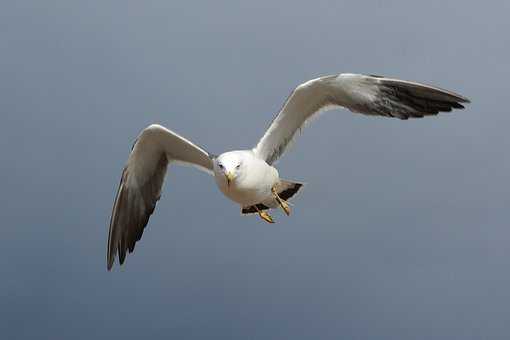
401, 233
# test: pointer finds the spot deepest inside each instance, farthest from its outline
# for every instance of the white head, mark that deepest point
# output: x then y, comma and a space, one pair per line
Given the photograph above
228, 167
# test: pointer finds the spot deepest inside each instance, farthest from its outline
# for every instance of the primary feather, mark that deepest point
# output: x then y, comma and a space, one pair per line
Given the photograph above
369, 95
141, 183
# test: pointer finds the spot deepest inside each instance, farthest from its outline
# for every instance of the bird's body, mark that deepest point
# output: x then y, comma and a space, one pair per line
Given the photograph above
248, 177
253, 181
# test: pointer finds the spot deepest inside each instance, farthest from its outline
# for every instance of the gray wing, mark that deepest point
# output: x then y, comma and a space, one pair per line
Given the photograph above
141, 184
369, 95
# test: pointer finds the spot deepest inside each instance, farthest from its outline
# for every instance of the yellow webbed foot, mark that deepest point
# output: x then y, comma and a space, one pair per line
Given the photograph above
283, 204
266, 217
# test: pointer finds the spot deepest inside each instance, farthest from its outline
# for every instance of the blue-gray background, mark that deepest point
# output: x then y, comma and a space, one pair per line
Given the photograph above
401, 233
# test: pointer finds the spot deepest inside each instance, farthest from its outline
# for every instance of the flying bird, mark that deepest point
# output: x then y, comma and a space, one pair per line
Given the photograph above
248, 177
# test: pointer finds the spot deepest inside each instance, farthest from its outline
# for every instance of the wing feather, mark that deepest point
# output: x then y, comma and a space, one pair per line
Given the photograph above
141, 183
369, 95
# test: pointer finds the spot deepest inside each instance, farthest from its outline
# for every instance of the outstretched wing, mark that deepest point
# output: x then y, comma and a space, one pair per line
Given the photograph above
369, 95
141, 183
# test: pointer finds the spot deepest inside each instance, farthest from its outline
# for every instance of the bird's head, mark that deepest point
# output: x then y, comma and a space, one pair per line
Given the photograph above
228, 166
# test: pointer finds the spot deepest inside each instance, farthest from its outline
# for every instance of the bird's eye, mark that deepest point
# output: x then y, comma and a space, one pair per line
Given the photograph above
238, 166
220, 165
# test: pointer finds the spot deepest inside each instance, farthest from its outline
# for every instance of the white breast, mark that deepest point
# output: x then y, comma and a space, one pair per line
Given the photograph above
253, 183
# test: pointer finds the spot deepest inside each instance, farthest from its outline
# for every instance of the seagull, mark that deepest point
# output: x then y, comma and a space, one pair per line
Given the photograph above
248, 177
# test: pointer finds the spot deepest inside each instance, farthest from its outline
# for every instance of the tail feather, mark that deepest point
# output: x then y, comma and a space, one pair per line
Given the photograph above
286, 190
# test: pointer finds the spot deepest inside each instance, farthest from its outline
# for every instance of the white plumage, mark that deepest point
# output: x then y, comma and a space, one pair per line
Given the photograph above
248, 177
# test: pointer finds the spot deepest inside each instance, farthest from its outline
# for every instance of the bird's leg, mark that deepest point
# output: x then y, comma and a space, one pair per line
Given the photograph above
264, 215
283, 204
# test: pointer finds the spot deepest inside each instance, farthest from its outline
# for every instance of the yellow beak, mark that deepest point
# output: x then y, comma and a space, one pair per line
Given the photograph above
230, 177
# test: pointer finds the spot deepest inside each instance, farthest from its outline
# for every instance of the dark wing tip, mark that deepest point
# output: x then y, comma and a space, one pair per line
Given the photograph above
112, 244
456, 97
415, 100
128, 222
464, 100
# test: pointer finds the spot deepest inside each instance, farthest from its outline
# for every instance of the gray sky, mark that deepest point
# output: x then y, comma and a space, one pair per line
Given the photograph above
401, 233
